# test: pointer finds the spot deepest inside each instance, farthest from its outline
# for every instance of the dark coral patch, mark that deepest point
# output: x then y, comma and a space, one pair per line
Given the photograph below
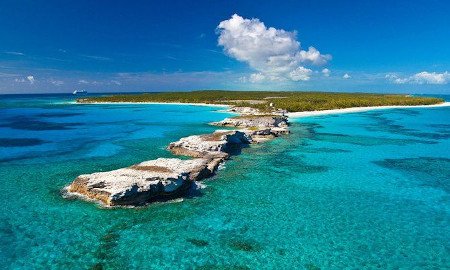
285, 163
310, 266
244, 245
28, 123
429, 171
197, 242
16, 142
108, 242
385, 124
324, 150
58, 115
97, 266
367, 140
221, 267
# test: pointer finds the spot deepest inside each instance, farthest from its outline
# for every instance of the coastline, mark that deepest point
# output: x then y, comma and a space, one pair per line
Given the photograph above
154, 103
360, 109
289, 114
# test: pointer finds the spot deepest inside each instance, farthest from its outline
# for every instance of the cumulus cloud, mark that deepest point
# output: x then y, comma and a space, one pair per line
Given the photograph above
346, 76
257, 77
30, 78
19, 80
275, 54
326, 72
300, 74
423, 77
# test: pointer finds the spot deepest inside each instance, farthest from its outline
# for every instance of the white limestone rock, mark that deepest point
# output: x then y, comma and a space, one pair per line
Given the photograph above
142, 182
218, 144
253, 121
245, 110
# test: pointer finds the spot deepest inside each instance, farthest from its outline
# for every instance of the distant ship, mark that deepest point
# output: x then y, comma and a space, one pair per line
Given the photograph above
76, 92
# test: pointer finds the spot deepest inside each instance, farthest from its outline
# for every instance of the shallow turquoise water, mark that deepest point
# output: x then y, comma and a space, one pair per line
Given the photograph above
366, 190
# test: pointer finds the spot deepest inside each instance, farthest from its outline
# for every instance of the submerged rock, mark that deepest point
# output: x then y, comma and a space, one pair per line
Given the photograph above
143, 182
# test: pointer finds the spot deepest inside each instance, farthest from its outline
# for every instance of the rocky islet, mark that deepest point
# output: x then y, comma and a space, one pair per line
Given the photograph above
166, 178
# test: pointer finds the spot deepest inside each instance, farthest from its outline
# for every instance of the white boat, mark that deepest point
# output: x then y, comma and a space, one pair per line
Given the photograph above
76, 92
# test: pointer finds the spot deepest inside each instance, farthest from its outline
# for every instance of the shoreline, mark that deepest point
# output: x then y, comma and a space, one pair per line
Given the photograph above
289, 114
360, 109
154, 103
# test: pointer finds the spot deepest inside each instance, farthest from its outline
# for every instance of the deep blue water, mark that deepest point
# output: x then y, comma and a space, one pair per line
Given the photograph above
358, 191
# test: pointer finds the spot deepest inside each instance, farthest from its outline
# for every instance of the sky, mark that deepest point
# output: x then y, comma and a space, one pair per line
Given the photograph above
57, 46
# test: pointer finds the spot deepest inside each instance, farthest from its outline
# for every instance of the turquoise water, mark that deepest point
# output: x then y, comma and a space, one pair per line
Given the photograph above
366, 190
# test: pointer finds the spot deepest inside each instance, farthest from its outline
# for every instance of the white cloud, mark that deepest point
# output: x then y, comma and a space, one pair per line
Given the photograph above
326, 72
91, 82
256, 77
300, 74
99, 82
15, 53
346, 76
96, 57
423, 77
242, 79
275, 54
56, 82
396, 79
313, 56
30, 78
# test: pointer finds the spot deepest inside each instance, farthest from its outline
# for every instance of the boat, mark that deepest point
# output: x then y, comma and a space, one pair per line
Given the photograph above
76, 92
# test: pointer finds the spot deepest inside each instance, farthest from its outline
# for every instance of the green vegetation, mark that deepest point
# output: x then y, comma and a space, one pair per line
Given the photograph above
290, 101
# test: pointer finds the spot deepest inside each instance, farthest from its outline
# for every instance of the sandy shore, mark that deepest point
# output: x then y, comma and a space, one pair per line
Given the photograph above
291, 115
156, 103
360, 109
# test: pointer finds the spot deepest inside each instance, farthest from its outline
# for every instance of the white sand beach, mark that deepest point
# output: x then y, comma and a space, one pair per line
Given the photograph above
360, 109
153, 103
291, 114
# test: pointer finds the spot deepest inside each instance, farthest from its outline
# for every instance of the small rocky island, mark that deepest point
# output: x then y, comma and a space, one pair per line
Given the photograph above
167, 178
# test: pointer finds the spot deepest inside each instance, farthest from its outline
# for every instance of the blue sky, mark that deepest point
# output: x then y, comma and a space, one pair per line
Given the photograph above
105, 46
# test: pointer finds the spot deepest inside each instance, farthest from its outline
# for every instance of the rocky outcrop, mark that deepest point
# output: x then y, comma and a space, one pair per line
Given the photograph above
143, 182
254, 121
163, 177
244, 110
258, 128
219, 144
166, 178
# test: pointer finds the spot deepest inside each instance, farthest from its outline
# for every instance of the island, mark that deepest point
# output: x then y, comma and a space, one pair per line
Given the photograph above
262, 116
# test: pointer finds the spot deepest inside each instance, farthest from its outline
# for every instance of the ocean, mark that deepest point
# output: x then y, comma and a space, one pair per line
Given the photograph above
367, 190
